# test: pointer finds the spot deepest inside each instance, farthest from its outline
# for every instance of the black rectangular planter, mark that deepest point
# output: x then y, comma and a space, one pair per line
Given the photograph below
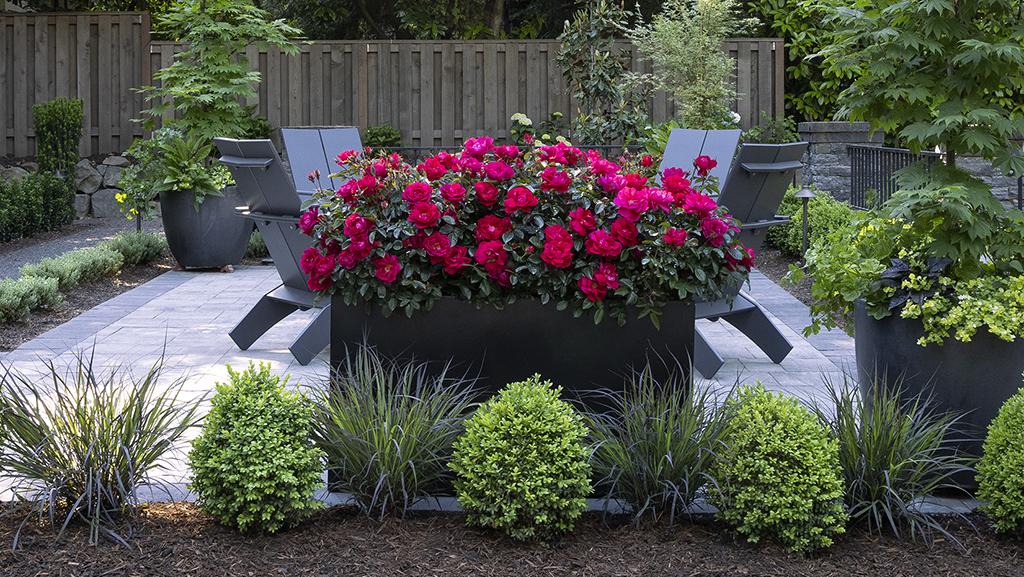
519, 340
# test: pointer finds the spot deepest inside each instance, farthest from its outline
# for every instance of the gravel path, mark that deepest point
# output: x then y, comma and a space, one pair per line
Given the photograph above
81, 233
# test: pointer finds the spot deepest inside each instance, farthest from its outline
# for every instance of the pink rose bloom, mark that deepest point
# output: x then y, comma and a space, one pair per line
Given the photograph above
699, 204
625, 232
453, 192
308, 260
632, 203
357, 226
520, 198
417, 192
486, 193
704, 164
607, 275
557, 247
660, 199
367, 184
675, 237
491, 227
554, 179
347, 259
599, 166
507, 152
747, 261
468, 165
432, 169
499, 171
479, 146
456, 259
594, 291
361, 247
582, 221
424, 215
346, 156
348, 190
714, 231
491, 255
611, 183
437, 244
601, 243
675, 181
560, 153
308, 220
379, 168
386, 268
634, 180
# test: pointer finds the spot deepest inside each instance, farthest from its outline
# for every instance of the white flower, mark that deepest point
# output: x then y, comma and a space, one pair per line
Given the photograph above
736, 118
520, 118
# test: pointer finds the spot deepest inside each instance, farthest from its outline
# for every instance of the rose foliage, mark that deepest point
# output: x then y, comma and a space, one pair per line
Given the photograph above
490, 224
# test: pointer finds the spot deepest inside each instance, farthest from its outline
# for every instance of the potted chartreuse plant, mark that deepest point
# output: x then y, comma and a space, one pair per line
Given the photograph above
933, 281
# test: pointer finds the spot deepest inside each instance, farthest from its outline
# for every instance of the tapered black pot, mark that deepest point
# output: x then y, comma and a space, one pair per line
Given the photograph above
519, 340
974, 378
211, 237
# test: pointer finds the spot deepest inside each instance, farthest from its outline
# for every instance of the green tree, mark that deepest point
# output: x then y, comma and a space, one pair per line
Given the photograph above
936, 73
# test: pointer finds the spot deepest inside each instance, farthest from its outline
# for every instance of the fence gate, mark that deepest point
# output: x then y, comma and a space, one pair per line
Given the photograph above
873, 172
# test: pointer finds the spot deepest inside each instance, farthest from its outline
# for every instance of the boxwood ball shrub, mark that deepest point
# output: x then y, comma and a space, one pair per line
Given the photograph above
254, 464
778, 475
521, 465
1001, 468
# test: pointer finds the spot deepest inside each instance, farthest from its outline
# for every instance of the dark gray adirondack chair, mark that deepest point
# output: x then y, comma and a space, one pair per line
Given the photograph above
314, 148
685, 144
752, 191
274, 203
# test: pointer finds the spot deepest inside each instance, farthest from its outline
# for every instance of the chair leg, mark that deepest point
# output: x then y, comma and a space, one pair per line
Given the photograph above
267, 313
705, 359
762, 332
314, 338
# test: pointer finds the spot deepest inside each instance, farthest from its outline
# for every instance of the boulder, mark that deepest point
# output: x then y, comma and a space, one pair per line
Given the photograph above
112, 176
87, 178
104, 203
119, 161
82, 205
30, 166
12, 172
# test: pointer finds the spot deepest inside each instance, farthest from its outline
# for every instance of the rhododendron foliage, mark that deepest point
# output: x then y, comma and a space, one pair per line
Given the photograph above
494, 223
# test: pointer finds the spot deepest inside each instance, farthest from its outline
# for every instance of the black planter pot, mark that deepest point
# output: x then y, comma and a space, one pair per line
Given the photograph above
524, 338
212, 237
976, 377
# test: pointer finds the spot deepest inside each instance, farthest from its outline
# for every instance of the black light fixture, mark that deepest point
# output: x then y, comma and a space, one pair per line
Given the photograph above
805, 195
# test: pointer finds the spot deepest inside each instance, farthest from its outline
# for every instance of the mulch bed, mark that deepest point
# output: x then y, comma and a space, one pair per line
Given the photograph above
177, 539
775, 265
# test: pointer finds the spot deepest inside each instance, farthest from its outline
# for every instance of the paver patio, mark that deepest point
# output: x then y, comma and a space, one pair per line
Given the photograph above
186, 317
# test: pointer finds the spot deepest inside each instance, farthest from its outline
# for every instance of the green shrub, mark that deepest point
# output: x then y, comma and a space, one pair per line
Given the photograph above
77, 444
778, 474
893, 451
825, 215
34, 203
254, 464
655, 445
58, 129
77, 266
382, 135
388, 427
257, 247
521, 465
137, 247
772, 131
19, 297
1001, 468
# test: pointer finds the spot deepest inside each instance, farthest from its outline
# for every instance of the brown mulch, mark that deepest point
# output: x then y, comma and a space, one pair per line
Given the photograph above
177, 539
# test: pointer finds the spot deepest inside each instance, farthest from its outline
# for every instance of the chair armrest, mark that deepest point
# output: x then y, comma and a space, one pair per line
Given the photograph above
251, 215
240, 162
759, 167
765, 223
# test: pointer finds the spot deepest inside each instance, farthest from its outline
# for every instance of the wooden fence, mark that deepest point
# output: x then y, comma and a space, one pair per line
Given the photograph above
435, 93
92, 56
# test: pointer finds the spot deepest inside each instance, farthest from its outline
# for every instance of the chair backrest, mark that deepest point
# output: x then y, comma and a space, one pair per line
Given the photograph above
259, 175
686, 144
759, 179
316, 148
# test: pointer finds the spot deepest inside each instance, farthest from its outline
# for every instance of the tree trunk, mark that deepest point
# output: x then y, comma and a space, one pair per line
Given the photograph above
950, 156
497, 18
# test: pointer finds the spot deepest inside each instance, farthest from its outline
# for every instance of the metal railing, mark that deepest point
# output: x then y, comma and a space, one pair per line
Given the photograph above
873, 172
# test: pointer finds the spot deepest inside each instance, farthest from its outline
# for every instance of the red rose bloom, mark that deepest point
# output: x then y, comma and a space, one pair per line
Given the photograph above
611, 183
347, 259
554, 179
437, 244
432, 169
417, 192
424, 215
356, 226
747, 261
704, 164
308, 260
348, 190
599, 166
601, 243
361, 247
660, 199
478, 147
582, 221
453, 192
308, 220
634, 180
557, 247
674, 180
625, 232
486, 193
386, 268
491, 255
367, 184
344, 157
714, 230
646, 160
467, 165
675, 237
491, 227
632, 203
528, 137
594, 290
699, 204
607, 275
520, 198
456, 259
498, 170
507, 152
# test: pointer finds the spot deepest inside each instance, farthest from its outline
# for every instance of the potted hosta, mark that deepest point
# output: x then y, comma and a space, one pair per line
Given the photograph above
512, 262
933, 285
197, 205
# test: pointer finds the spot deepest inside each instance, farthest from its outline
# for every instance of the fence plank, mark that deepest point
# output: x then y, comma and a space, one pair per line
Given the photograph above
22, 104
5, 84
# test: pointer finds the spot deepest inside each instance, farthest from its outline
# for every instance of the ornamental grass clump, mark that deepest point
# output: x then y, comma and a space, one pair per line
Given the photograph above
894, 450
387, 427
655, 445
521, 466
1001, 468
491, 224
77, 444
778, 474
254, 465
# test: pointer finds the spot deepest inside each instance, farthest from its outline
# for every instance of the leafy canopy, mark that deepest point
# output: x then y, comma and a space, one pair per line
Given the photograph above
935, 72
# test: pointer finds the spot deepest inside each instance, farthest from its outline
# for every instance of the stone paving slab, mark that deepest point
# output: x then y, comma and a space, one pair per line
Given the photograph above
185, 317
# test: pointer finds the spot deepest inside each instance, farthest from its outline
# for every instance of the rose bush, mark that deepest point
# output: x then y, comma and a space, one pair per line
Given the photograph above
492, 223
